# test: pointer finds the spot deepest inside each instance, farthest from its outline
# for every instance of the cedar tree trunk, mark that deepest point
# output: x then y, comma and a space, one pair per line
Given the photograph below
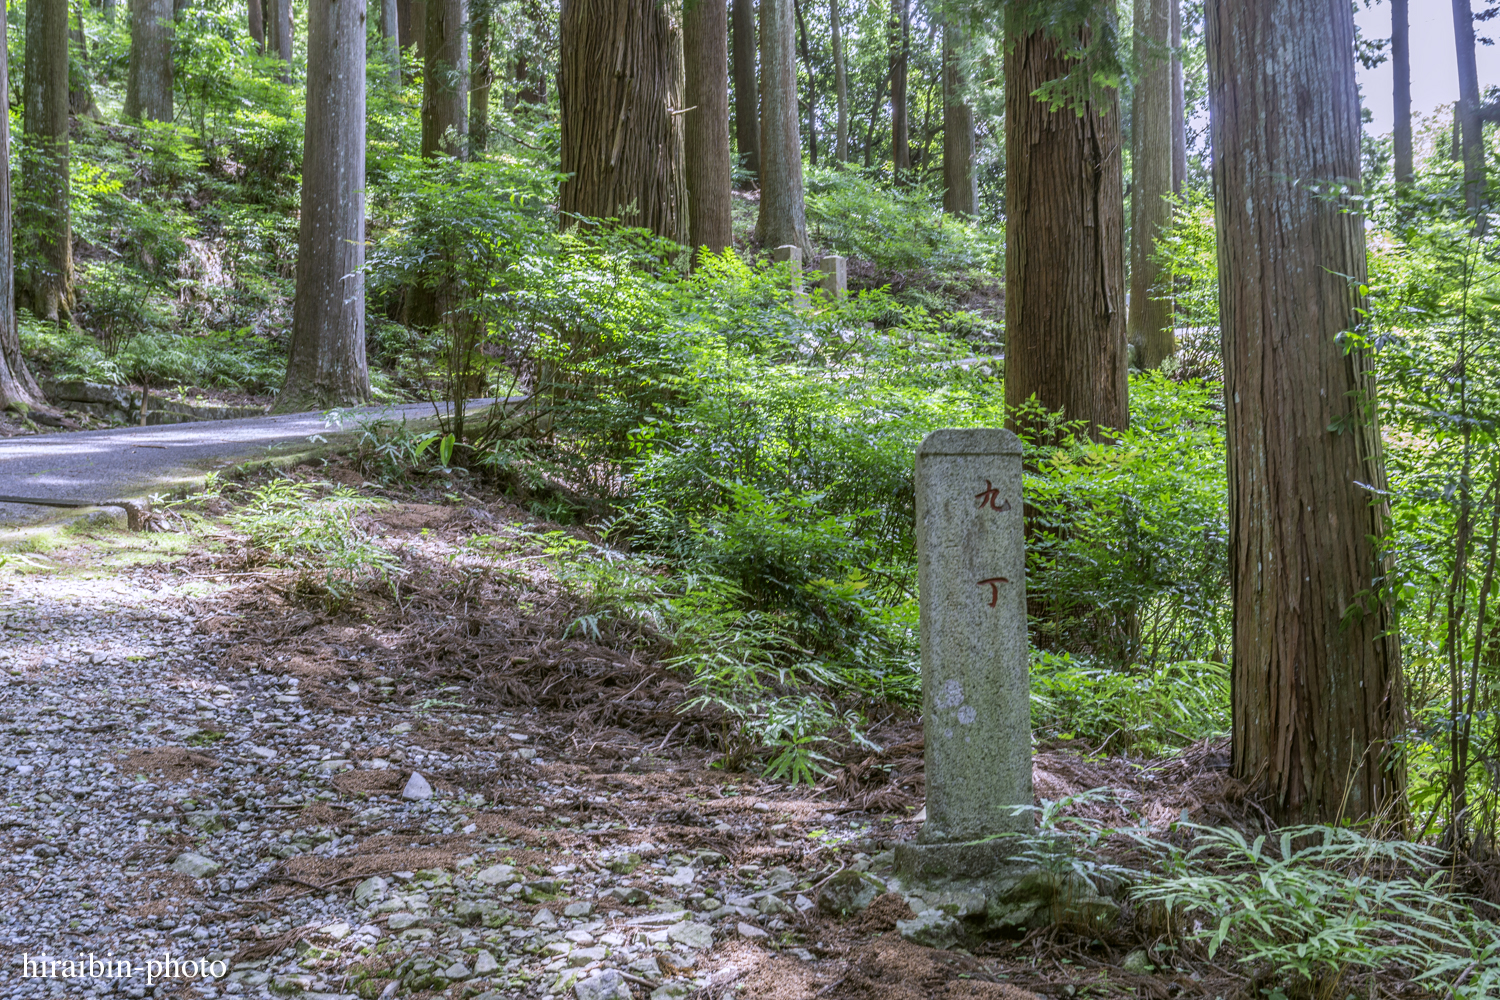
1151, 181
746, 91
1470, 126
1316, 687
1064, 251
482, 77
17, 387
44, 166
960, 188
900, 45
840, 84
257, 18
390, 33
782, 220
705, 45
279, 33
618, 86
1179, 105
1401, 90
444, 80
812, 84
148, 90
326, 364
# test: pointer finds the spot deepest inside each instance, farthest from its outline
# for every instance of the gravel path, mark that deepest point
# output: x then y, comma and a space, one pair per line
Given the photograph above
157, 802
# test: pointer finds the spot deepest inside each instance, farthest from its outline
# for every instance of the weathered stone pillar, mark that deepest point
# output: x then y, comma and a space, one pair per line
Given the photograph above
793, 254
972, 868
835, 280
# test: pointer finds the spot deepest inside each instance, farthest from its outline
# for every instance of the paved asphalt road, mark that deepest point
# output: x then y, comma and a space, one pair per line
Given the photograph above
136, 461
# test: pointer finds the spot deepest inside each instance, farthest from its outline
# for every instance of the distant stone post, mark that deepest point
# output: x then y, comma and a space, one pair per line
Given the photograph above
971, 574
793, 254
835, 281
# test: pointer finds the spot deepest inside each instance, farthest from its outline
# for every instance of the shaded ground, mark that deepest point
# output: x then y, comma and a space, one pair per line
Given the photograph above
200, 754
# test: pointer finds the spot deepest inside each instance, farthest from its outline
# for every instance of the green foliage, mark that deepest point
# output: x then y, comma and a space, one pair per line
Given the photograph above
1137, 709
321, 539
1317, 903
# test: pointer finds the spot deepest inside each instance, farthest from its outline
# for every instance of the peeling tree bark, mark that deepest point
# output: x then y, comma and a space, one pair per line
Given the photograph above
445, 83
746, 91
17, 387
1151, 181
326, 366
782, 220
705, 44
619, 85
960, 188
46, 215
1316, 681
1064, 250
148, 90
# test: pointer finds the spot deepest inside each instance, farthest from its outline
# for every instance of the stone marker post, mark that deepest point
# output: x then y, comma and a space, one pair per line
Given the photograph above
793, 254
971, 573
835, 281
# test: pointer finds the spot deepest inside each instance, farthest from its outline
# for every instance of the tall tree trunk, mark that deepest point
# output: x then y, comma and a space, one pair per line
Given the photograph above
900, 46
1151, 181
278, 32
840, 84
746, 88
869, 153
1064, 251
960, 188
326, 365
148, 88
44, 167
17, 387
812, 84
705, 43
620, 81
1179, 105
782, 220
444, 80
109, 11
80, 89
408, 28
256, 12
1470, 125
482, 78
1316, 682
390, 35
1401, 91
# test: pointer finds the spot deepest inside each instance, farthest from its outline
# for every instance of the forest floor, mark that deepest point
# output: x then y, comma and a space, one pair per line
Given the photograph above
200, 757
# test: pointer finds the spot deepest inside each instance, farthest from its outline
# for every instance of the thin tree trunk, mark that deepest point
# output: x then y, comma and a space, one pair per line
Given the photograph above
840, 85
705, 43
869, 153
782, 220
1064, 253
1470, 126
1179, 105
80, 91
1401, 91
390, 34
257, 17
49, 258
1151, 182
812, 85
278, 32
17, 387
960, 189
1316, 686
109, 11
746, 89
444, 80
148, 88
620, 81
900, 44
326, 365
483, 77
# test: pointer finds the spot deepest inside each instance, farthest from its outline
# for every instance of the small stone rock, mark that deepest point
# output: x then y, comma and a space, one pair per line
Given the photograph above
932, 928
457, 971
338, 931
672, 991
194, 865
543, 918
606, 985
401, 921
370, 889
772, 904
680, 877
496, 875
416, 788
579, 909
691, 935
484, 963
848, 893
586, 956
1138, 963
750, 931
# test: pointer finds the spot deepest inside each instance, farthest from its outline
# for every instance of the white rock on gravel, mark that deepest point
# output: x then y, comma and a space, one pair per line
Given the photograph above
416, 788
